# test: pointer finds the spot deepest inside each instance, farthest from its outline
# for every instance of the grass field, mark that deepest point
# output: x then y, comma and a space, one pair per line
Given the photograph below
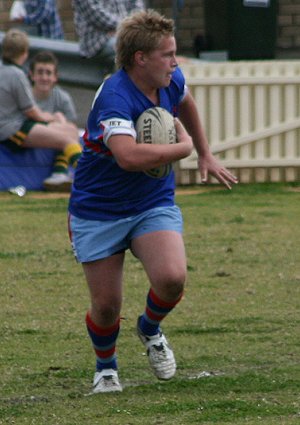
235, 334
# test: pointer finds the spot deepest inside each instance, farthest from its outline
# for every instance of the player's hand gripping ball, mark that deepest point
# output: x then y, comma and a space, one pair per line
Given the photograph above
156, 126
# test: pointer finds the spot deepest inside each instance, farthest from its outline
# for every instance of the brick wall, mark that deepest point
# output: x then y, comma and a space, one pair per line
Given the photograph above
65, 11
288, 24
66, 14
190, 21
4, 10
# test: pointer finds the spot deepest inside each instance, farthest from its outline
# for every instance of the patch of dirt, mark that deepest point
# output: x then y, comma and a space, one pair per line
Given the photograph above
196, 191
60, 195
48, 195
294, 189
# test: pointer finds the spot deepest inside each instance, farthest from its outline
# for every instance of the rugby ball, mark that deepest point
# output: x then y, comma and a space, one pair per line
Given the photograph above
156, 126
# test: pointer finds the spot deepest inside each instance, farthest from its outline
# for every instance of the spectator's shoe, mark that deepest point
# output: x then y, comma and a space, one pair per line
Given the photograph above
106, 381
58, 182
160, 354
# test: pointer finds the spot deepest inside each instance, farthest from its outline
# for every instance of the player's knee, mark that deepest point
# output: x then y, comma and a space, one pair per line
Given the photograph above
173, 284
73, 130
107, 314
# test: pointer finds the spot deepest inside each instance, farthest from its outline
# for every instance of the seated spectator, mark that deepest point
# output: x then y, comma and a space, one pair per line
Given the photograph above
22, 123
42, 19
43, 73
96, 22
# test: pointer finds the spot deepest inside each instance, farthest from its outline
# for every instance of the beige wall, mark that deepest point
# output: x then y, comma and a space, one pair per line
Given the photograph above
190, 22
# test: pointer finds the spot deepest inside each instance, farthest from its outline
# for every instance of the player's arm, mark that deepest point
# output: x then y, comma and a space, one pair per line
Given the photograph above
36, 114
132, 156
208, 164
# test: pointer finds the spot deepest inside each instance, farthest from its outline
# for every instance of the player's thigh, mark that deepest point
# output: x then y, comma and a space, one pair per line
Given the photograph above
46, 136
67, 127
162, 254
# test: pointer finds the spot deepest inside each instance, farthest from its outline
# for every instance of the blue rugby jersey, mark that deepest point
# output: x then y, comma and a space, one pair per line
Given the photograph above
102, 190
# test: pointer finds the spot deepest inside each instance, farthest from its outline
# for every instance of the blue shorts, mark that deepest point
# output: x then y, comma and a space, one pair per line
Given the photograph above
92, 239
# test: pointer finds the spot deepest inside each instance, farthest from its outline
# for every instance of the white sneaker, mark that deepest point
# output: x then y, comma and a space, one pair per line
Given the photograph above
106, 381
58, 182
160, 355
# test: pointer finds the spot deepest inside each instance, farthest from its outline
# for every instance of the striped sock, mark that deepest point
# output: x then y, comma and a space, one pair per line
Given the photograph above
156, 310
104, 343
72, 153
60, 163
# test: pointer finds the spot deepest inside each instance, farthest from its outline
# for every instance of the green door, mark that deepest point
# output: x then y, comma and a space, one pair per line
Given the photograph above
246, 29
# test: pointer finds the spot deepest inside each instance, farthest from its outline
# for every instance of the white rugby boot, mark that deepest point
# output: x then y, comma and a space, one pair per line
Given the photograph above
106, 381
160, 354
58, 182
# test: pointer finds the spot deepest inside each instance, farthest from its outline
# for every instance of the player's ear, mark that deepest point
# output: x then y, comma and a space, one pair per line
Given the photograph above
140, 58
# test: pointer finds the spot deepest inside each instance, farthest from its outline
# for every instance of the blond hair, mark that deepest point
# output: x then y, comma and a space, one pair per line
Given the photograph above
15, 43
141, 31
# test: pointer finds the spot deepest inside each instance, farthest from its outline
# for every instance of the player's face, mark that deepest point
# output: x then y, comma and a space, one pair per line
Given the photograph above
44, 77
161, 63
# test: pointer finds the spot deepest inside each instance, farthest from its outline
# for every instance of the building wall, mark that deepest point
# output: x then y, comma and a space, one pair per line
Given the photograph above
190, 21
288, 24
65, 11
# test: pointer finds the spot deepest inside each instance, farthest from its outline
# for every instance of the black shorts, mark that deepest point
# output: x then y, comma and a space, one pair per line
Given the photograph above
16, 141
